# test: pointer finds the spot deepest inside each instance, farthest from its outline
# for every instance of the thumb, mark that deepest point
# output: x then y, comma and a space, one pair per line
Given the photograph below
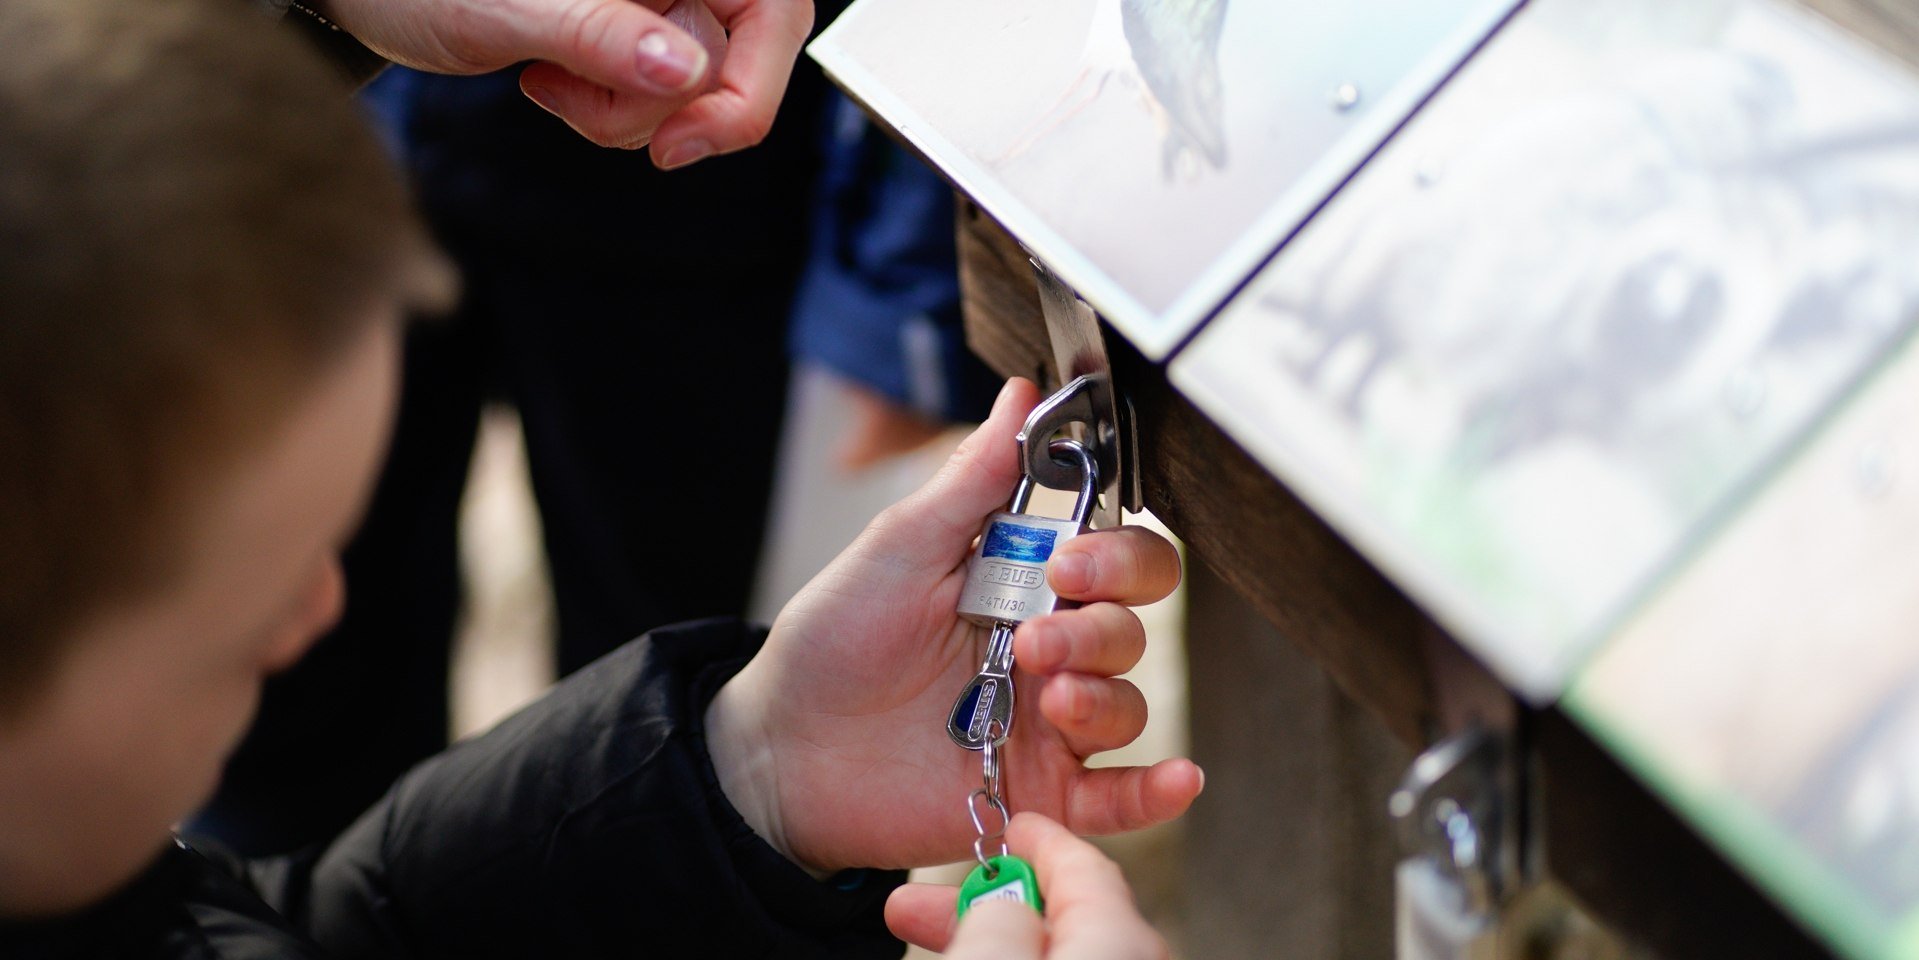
922, 914
999, 930
626, 47
938, 521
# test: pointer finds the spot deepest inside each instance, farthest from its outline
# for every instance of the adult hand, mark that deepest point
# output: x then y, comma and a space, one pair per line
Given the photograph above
1089, 910
620, 72
832, 741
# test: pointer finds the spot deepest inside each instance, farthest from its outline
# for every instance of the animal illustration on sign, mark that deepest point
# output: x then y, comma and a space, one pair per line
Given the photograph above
1681, 254
1168, 51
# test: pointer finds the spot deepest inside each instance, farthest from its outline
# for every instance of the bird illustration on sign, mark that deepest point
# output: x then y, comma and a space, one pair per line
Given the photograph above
1168, 52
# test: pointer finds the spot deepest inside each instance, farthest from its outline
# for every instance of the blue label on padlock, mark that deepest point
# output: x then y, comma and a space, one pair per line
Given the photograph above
1011, 541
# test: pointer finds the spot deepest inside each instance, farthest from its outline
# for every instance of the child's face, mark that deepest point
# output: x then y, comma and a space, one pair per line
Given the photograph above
154, 693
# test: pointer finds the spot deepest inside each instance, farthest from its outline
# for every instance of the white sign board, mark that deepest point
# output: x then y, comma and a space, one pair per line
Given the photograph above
1583, 303
1152, 152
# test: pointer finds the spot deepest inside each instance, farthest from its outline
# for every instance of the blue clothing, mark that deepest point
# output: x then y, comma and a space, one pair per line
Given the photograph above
879, 301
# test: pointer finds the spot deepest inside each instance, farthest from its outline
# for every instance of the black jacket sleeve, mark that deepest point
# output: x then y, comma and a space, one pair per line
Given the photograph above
591, 824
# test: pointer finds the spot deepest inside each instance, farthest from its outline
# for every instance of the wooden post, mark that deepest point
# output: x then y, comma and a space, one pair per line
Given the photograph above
1286, 852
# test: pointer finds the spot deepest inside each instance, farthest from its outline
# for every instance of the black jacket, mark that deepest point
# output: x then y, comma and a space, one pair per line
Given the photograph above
591, 824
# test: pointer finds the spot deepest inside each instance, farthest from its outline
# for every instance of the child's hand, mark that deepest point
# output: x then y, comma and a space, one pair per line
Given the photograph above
832, 742
1089, 910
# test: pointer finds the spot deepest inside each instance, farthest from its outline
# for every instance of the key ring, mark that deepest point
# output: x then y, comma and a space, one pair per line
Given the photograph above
990, 760
992, 791
998, 833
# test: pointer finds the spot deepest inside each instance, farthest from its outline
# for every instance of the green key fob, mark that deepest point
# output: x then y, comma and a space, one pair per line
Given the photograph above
1012, 879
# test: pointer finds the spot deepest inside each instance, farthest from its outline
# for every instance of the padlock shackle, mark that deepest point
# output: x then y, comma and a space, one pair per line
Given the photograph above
1069, 451
1088, 475
1022, 494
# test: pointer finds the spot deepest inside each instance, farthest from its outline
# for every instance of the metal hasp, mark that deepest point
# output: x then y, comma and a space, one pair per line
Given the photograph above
1454, 812
1087, 408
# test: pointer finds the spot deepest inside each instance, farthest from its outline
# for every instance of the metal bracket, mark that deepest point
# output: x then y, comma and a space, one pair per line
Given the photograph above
1088, 407
1454, 816
1450, 808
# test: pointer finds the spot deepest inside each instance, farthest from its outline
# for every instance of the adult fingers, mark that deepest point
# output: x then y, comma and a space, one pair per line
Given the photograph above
1094, 714
922, 914
620, 45
1119, 799
1103, 639
604, 116
998, 930
1130, 565
1071, 871
616, 118
764, 39
1089, 907
936, 523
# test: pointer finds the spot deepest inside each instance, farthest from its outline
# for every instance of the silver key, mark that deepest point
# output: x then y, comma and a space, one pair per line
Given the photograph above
984, 710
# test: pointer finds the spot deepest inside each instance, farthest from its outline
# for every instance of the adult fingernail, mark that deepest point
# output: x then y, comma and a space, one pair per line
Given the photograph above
543, 97
671, 61
685, 153
1072, 573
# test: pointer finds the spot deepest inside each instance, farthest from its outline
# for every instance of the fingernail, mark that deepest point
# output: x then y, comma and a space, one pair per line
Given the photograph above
1072, 573
688, 152
671, 61
543, 97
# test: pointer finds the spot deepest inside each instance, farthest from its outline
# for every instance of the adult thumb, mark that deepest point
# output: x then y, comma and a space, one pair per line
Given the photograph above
624, 46
998, 930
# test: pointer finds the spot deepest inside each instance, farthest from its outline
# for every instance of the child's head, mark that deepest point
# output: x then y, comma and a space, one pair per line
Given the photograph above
203, 262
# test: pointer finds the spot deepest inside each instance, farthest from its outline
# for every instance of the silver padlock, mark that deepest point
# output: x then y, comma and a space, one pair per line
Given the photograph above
1006, 586
1006, 578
